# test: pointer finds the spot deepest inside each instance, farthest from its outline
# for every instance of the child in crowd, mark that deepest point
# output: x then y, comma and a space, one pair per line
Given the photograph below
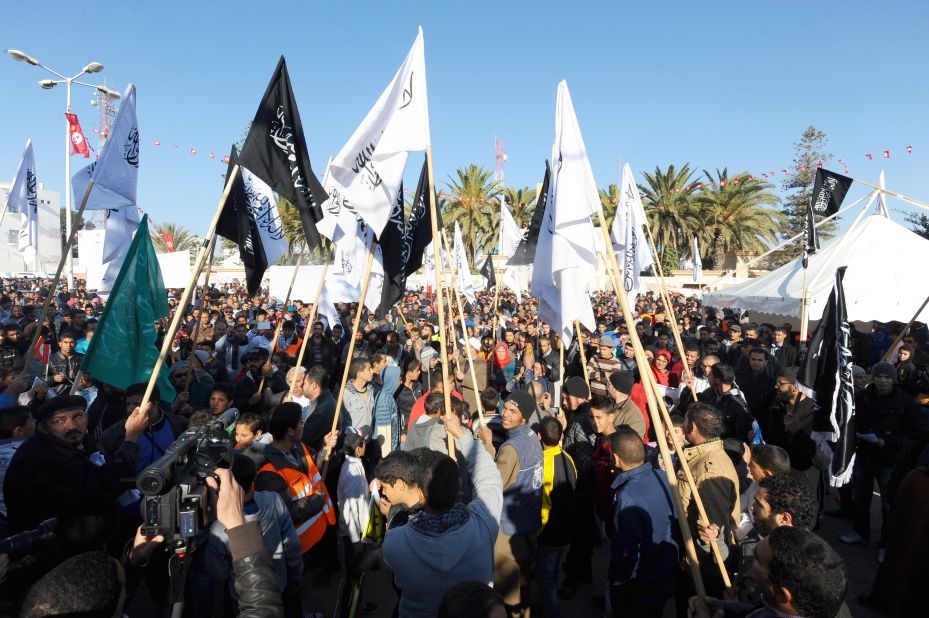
766, 460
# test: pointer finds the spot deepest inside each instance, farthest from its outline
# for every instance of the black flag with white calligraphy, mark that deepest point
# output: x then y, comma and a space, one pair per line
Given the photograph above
275, 151
810, 236
525, 252
419, 229
393, 254
488, 271
829, 190
251, 220
826, 377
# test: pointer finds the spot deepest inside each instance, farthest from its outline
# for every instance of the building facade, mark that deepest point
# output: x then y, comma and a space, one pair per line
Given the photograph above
49, 254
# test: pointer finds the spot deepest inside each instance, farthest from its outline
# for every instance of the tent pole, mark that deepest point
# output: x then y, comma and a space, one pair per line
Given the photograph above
905, 329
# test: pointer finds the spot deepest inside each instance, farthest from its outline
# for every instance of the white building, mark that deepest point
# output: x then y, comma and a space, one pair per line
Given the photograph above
11, 260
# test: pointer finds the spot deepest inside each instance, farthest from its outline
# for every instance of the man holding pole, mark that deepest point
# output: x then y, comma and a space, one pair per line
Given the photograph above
718, 485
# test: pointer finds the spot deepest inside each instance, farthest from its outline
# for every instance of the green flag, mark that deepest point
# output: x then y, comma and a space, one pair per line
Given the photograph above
122, 351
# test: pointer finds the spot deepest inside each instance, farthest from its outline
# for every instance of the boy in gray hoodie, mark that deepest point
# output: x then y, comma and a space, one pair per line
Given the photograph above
447, 543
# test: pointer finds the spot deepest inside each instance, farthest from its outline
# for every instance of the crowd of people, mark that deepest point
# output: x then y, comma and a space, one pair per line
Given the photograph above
547, 458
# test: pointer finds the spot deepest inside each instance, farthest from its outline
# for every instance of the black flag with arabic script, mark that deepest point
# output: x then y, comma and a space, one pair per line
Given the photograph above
275, 151
488, 271
829, 190
236, 224
418, 234
392, 254
525, 251
826, 377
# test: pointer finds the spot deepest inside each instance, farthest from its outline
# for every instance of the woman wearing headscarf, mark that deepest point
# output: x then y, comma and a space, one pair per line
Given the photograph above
504, 367
661, 369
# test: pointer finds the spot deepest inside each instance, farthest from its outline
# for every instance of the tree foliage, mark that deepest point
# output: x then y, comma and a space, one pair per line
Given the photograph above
668, 200
736, 214
809, 152
919, 223
471, 201
182, 238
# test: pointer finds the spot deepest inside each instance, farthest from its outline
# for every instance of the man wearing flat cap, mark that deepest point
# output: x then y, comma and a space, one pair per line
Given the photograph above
520, 461
52, 475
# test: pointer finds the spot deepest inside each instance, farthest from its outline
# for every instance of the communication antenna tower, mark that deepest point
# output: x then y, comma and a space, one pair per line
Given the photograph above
500, 162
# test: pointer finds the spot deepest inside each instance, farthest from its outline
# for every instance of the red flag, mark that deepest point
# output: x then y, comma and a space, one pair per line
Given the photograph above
158, 142
226, 159
784, 172
42, 350
212, 156
169, 242
774, 173
909, 149
819, 166
193, 151
886, 154
869, 156
78, 142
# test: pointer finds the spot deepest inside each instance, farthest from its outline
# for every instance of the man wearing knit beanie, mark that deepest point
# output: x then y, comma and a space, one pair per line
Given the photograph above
519, 461
885, 420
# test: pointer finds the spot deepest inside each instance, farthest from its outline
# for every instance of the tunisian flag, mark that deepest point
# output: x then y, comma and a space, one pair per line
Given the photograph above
78, 142
169, 242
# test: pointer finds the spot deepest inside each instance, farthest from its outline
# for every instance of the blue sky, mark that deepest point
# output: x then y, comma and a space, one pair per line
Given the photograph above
711, 83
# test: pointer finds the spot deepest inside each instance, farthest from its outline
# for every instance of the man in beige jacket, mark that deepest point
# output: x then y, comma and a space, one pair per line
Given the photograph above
718, 484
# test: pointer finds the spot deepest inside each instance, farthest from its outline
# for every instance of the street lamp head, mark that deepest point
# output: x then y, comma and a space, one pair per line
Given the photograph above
47, 84
108, 92
21, 56
93, 67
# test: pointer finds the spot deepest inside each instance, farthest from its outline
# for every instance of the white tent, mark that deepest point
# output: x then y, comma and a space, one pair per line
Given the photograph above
885, 280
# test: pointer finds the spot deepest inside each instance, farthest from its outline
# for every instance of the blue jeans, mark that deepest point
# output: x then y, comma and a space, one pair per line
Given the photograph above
547, 561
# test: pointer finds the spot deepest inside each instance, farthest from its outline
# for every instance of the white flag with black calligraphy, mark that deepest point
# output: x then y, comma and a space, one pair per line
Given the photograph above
565, 258
368, 170
629, 235
464, 280
119, 228
510, 237
24, 199
115, 174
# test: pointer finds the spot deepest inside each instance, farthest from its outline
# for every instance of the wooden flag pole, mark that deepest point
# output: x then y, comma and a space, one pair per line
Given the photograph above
313, 313
437, 246
356, 324
280, 323
666, 297
653, 396
903, 332
54, 284
206, 286
191, 284
580, 350
464, 331
803, 310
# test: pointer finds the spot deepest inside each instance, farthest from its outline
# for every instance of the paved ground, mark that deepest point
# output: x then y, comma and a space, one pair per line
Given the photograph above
860, 562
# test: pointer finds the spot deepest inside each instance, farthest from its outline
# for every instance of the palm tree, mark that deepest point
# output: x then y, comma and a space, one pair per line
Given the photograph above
296, 237
668, 197
737, 214
521, 203
182, 239
472, 203
609, 200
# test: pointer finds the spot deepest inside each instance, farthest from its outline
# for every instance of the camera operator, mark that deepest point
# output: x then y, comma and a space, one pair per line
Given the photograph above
51, 475
93, 584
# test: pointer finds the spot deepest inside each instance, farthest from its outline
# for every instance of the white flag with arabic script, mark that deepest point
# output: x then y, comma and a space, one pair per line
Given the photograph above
368, 171
115, 174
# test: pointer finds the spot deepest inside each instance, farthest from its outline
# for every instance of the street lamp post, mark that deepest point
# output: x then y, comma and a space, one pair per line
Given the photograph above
48, 84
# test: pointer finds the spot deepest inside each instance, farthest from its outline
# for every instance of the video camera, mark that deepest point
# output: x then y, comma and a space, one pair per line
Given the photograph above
21, 544
175, 502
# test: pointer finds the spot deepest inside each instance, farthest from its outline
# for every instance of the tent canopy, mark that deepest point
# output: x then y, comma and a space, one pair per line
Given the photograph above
884, 281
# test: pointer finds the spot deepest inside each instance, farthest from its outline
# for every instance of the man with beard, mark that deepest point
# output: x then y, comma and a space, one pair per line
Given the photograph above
234, 348
52, 475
